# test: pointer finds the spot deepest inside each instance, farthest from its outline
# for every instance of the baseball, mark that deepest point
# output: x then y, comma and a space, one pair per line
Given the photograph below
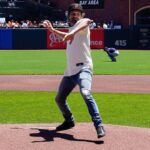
45, 23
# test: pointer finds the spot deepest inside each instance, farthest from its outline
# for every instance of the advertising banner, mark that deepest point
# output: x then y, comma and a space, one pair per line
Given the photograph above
91, 4
55, 42
97, 38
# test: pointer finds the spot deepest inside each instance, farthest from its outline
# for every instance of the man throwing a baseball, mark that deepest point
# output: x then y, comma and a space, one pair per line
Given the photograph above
79, 68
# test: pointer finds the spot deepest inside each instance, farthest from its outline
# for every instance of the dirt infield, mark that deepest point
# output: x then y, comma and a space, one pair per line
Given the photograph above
101, 83
83, 136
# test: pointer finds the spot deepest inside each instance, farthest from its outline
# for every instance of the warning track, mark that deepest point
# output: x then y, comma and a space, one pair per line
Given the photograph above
101, 83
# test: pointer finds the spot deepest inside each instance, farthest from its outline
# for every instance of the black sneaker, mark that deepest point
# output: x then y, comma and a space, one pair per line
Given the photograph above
100, 131
65, 125
114, 60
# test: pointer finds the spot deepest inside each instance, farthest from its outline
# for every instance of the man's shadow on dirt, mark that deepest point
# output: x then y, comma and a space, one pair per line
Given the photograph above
49, 135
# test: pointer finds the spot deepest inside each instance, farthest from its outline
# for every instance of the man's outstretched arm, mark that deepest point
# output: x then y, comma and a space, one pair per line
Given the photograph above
49, 26
82, 25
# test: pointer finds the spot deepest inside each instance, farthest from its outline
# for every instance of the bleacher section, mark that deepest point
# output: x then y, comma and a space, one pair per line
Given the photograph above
12, 9
29, 9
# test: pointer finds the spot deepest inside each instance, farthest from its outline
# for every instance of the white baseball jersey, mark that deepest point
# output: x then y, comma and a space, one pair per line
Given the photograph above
78, 52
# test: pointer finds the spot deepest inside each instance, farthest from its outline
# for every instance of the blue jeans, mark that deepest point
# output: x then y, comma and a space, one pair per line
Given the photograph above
84, 80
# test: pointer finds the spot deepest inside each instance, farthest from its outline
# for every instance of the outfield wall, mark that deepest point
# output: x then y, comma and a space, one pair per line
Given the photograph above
134, 38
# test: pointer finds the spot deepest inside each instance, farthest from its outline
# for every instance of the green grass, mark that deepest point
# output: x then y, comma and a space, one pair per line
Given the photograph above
32, 62
40, 107
54, 62
129, 62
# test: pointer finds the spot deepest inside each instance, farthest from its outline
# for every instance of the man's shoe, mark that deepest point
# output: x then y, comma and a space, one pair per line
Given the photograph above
65, 125
100, 131
114, 59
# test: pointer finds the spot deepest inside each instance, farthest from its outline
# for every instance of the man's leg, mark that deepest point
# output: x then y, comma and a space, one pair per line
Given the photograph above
84, 81
64, 90
112, 58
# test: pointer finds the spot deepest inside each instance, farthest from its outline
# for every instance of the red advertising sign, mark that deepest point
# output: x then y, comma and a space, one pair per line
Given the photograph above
97, 38
55, 42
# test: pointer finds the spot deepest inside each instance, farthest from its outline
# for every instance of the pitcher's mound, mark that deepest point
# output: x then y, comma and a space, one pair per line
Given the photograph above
81, 137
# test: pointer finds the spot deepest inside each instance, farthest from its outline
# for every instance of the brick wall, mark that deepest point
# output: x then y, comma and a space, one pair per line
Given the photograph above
117, 10
136, 5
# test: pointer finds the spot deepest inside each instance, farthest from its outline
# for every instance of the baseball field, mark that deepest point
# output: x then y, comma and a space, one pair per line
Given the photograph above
29, 116
39, 107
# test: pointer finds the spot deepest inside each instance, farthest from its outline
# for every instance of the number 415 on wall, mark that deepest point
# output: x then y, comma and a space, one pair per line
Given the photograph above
121, 42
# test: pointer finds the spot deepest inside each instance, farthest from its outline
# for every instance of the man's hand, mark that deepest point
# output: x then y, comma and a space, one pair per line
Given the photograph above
48, 24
